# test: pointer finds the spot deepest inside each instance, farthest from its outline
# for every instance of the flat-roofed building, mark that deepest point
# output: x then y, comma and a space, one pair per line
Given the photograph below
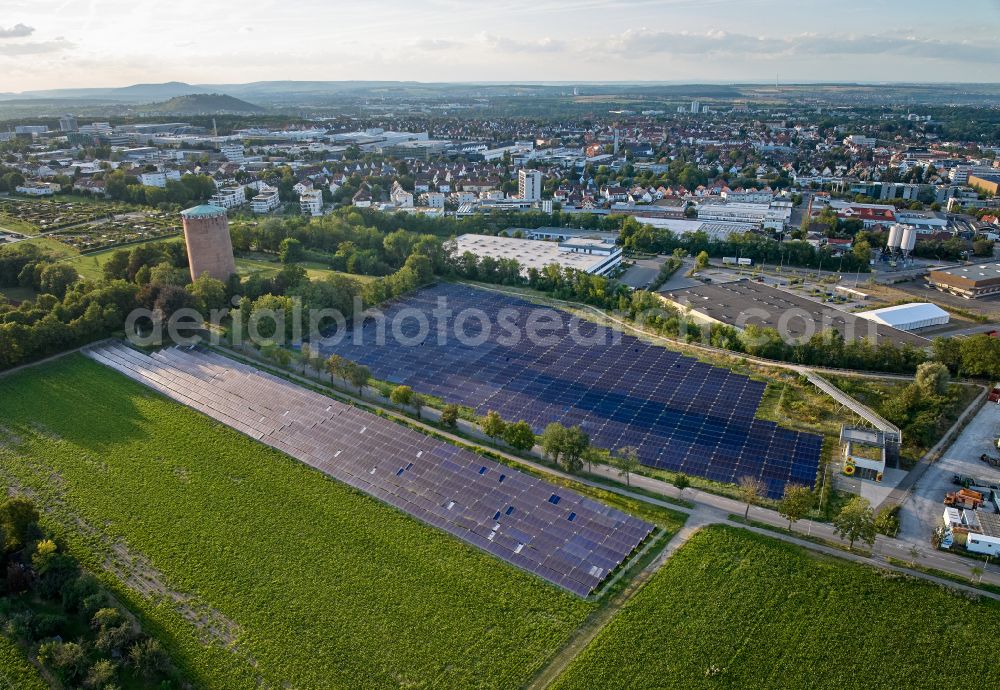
864, 452
595, 256
985, 182
265, 201
311, 202
971, 282
229, 197
743, 303
529, 185
772, 216
908, 317
984, 533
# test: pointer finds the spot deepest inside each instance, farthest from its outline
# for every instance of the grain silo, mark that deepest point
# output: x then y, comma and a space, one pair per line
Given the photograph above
209, 248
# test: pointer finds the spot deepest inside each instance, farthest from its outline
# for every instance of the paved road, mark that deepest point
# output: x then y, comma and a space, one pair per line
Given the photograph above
923, 506
971, 330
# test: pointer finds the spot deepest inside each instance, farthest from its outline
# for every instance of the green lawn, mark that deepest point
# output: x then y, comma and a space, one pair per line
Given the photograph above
246, 265
55, 248
91, 266
16, 673
733, 609
14, 224
18, 294
318, 585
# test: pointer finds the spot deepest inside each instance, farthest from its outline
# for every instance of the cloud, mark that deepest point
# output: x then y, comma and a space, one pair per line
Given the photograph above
17, 31
713, 44
36, 48
434, 44
513, 45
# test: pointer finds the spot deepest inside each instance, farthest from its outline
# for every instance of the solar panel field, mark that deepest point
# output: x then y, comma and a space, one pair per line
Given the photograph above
568, 539
681, 414
733, 609
254, 568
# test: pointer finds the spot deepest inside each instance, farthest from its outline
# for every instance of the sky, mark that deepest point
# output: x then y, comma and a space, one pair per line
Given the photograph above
100, 43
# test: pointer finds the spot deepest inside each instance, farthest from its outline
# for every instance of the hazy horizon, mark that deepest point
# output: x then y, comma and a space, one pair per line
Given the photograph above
512, 82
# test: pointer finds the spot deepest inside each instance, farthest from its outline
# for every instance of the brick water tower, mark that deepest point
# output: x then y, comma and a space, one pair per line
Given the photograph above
209, 248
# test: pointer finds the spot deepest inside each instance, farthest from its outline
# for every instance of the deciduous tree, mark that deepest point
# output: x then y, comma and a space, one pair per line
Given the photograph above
493, 425
855, 521
449, 415
627, 462
751, 489
796, 503
519, 435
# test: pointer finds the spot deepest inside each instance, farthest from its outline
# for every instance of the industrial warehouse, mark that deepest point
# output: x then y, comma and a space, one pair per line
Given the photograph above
971, 282
595, 256
743, 303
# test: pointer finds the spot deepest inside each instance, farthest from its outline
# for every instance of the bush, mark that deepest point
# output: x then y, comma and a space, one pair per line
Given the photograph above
65, 659
449, 415
887, 520
401, 395
147, 657
48, 625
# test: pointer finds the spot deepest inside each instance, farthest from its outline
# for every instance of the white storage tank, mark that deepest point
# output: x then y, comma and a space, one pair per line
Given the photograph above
909, 239
895, 236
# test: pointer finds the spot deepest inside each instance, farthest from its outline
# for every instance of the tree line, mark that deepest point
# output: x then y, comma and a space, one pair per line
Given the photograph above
645, 239
65, 617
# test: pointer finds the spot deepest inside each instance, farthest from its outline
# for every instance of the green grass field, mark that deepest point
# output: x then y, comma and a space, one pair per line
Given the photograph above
16, 673
55, 248
14, 224
252, 567
246, 265
733, 609
18, 294
91, 266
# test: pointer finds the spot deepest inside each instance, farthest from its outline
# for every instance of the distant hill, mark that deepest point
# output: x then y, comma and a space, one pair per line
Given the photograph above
201, 104
136, 93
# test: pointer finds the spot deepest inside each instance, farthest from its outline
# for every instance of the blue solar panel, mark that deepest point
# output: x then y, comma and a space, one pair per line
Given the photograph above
681, 414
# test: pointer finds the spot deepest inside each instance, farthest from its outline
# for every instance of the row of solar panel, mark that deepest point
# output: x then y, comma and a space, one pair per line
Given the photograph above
567, 538
678, 411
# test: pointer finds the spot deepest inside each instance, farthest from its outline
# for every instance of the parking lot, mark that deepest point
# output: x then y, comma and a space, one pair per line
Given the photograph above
922, 511
644, 271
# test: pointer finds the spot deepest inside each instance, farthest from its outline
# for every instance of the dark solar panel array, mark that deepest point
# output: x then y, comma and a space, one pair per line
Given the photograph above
566, 538
681, 414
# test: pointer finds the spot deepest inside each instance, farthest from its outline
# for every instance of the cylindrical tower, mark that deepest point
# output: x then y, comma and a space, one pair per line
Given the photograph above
209, 248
